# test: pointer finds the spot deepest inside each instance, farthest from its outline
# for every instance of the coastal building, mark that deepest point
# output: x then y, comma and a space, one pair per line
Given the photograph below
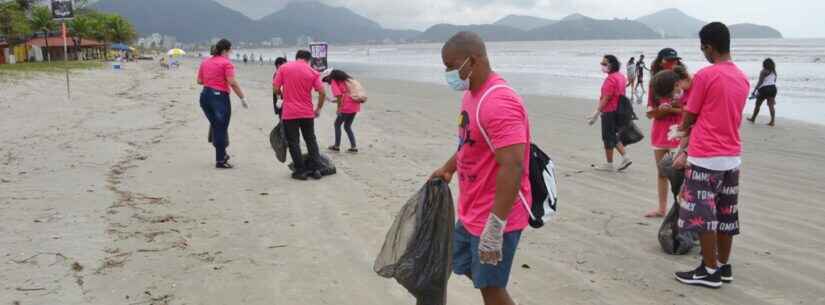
78, 48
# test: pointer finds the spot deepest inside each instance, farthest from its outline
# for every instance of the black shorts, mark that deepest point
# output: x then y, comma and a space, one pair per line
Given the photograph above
768, 92
610, 128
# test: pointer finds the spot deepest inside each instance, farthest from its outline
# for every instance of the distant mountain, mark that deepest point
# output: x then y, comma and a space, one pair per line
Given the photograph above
187, 20
580, 27
574, 17
523, 22
321, 22
748, 30
490, 32
673, 23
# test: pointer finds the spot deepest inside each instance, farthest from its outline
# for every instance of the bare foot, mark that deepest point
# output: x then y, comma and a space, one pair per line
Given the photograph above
655, 214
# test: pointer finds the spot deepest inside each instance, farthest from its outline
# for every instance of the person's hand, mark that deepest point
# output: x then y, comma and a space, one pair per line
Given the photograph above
243, 103
674, 133
591, 119
665, 107
317, 112
492, 240
442, 174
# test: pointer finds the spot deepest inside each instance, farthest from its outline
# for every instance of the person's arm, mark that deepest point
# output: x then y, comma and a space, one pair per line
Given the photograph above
200, 75
510, 160
340, 101
446, 171
236, 87
762, 76
322, 96
680, 161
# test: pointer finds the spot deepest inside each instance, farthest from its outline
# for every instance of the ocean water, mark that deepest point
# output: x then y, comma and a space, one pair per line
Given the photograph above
571, 68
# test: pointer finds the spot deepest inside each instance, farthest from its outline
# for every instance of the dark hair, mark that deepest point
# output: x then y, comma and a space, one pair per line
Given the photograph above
716, 35
222, 46
338, 76
631, 61
769, 65
279, 61
656, 66
303, 55
613, 63
663, 83
682, 72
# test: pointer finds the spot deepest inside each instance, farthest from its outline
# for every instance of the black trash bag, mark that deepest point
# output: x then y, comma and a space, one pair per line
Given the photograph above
630, 134
417, 251
277, 139
324, 165
625, 111
672, 240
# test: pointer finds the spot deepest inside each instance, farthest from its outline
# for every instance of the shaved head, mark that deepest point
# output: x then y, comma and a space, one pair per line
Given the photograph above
466, 52
466, 44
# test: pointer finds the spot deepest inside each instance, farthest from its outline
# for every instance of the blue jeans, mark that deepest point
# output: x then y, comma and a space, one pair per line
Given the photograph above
345, 119
218, 111
466, 259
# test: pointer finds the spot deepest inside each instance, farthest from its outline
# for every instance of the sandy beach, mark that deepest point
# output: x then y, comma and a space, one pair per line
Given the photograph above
112, 198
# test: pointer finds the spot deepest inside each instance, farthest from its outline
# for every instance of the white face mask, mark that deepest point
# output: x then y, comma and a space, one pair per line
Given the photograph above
678, 96
605, 69
454, 80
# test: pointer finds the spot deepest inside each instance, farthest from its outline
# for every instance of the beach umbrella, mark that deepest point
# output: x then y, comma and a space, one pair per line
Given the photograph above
176, 52
119, 47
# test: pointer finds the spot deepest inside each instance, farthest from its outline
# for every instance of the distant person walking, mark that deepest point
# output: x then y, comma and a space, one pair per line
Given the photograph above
217, 75
766, 90
631, 76
612, 90
665, 111
245, 59
713, 117
341, 84
492, 163
641, 67
295, 81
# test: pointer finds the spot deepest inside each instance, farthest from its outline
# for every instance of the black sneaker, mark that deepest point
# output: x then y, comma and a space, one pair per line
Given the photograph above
700, 277
303, 176
726, 273
316, 174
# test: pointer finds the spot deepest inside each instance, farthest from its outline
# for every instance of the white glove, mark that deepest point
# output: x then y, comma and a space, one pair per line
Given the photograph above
492, 240
243, 103
674, 133
593, 118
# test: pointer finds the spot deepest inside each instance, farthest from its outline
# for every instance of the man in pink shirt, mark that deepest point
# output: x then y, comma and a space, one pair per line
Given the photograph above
492, 175
295, 81
710, 193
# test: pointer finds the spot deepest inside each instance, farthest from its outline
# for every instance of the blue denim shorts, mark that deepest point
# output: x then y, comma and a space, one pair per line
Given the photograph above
466, 260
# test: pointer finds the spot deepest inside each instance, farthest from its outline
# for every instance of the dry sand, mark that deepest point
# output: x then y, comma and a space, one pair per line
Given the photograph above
111, 198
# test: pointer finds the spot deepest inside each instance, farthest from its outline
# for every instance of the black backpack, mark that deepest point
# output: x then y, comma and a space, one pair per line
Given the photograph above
542, 176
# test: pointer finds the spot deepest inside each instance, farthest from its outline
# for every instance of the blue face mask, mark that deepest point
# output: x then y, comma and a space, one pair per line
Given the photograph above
454, 78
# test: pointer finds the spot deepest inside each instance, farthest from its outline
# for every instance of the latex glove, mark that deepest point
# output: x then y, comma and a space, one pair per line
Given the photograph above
674, 133
492, 240
244, 104
593, 118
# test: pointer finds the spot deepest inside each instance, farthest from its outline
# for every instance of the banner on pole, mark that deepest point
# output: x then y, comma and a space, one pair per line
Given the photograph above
319, 52
62, 9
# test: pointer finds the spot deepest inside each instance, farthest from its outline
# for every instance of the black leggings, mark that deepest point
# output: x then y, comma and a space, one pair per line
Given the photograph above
345, 119
305, 127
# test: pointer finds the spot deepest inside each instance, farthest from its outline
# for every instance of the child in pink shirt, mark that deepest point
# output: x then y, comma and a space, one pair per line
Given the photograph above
348, 107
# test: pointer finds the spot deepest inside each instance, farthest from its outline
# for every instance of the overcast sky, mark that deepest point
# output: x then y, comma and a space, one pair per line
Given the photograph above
794, 18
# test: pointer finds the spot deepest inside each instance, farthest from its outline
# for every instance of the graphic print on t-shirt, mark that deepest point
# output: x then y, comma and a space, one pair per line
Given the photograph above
464, 125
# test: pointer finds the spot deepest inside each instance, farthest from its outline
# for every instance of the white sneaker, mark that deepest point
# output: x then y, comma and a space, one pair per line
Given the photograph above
606, 167
626, 162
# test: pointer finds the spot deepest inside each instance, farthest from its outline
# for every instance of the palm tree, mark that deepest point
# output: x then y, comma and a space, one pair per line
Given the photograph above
118, 29
41, 20
13, 22
80, 27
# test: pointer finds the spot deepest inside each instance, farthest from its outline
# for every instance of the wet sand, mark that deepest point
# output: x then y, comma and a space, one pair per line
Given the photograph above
112, 198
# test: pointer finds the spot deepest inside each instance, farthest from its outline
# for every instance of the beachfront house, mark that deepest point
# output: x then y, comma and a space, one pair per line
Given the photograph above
78, 48
4, 51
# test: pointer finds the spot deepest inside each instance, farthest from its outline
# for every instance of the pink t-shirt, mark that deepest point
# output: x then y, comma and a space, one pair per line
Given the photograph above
505, 121
214, 72
717, 97
660, 127
297, 80
613, 86
348, 105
